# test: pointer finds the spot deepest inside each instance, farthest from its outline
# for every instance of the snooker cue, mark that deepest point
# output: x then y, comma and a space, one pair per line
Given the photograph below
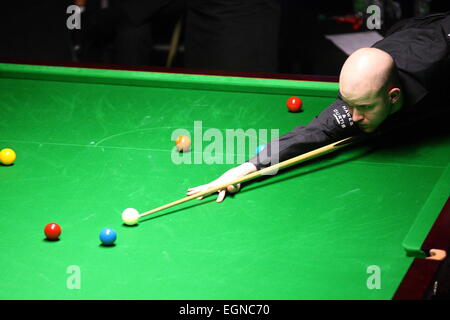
174, 42
284, 164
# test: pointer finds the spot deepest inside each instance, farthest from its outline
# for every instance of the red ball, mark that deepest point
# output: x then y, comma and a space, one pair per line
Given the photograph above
52, 231
294, 104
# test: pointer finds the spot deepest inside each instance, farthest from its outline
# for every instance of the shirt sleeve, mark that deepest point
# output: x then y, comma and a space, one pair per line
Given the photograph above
333, 124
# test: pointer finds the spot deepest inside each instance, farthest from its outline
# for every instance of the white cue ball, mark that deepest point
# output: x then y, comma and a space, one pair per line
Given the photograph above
130, 216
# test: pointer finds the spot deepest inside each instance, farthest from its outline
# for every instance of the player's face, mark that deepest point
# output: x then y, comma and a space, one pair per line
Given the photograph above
368, 112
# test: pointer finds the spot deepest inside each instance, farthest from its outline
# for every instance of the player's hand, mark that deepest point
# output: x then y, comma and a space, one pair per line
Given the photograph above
230, 175
222, 193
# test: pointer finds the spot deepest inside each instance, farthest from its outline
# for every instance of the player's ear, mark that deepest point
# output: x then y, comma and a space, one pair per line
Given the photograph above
394, 95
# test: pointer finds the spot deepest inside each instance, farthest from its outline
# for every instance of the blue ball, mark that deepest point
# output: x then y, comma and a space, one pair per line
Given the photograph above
108, 236
259, 148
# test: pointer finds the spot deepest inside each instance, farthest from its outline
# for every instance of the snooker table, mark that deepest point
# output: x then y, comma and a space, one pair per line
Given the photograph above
91, 142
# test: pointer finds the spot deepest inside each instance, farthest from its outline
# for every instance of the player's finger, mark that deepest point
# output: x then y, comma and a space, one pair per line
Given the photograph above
195, 190
221, 195
189, 193
234, 188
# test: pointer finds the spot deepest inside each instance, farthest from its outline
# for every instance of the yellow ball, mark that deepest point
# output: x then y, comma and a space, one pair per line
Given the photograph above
183, 143
7, 156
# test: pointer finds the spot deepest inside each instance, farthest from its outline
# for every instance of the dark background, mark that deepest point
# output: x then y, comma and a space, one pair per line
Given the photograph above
36, 30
